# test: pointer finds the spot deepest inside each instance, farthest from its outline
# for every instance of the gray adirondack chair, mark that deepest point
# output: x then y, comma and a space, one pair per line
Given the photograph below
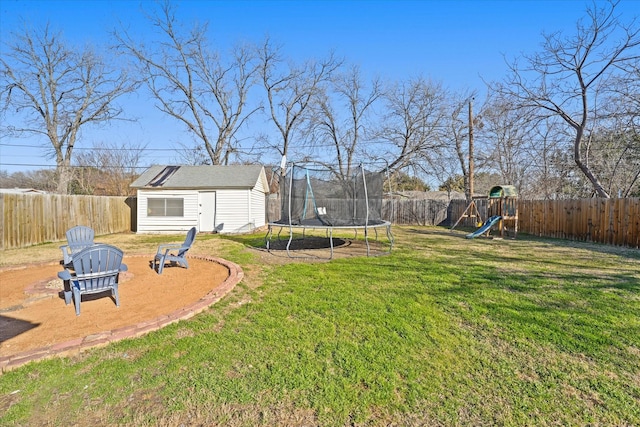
174, 253
78, 238
95, 270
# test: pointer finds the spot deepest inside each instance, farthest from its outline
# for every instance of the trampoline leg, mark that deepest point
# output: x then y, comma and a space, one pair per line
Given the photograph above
366, 239
267, 238
331, 242
289, 242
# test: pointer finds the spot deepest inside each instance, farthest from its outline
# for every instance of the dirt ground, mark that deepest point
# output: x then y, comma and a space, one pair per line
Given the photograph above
33, 313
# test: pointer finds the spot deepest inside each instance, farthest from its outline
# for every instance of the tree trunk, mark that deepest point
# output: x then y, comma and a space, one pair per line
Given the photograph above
64, 178
597, 186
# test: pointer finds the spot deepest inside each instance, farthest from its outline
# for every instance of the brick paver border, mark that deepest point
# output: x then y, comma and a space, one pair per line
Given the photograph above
78, 345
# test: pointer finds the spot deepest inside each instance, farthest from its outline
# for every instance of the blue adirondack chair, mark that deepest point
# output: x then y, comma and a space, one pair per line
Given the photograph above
78, 238
95, 270
174, 253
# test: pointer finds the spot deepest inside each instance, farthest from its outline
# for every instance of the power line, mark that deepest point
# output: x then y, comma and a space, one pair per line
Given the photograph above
72, 166
92, 148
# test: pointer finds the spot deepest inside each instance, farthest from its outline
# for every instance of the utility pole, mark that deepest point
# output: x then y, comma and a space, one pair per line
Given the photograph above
470, 150
472, 210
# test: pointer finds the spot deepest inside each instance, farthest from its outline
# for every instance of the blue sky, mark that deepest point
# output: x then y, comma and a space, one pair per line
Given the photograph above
456, 43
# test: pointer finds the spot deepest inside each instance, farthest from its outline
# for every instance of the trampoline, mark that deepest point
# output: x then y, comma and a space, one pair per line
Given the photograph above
312, 197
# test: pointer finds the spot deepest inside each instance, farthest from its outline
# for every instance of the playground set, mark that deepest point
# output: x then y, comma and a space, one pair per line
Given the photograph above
502, 213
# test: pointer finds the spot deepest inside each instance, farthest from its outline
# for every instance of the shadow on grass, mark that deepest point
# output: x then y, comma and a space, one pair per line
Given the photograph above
461, 233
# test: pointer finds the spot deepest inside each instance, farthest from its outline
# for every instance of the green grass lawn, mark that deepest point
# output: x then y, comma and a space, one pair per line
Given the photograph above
443, 331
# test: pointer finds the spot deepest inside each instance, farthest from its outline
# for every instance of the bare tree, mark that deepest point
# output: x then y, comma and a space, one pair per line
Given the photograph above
42, 179
509, 130
341, 120
617, 159
549, 176
414, 123
194, 155
571, 73
56, 91
108, 169
194, 84
291, 88
618, 143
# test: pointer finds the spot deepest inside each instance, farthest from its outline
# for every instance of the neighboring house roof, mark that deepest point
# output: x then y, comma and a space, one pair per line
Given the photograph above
21, 191
195, 177
428, 195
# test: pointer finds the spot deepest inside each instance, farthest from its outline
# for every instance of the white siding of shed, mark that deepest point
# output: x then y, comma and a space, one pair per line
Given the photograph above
232, 210
258, 207
237, 210
169, 224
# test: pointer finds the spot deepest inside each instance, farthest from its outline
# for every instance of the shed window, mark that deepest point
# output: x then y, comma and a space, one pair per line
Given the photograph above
165, 207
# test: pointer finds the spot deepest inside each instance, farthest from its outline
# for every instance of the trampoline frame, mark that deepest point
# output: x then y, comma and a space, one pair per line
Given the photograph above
329, 234
328, 227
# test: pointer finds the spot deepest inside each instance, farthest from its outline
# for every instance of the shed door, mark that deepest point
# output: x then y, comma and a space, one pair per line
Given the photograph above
206, 211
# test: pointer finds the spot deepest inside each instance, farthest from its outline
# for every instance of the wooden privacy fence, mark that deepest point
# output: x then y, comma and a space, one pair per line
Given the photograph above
608, 221
30, 219
406, 212
416, 211
401, 212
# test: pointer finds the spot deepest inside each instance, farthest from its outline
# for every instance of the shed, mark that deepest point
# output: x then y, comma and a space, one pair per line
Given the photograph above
225, 199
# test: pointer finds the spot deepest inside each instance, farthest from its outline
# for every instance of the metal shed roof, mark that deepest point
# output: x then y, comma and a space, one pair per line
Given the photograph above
197, 177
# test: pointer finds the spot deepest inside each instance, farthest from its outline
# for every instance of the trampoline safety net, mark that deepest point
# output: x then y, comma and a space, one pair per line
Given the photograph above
319, 197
